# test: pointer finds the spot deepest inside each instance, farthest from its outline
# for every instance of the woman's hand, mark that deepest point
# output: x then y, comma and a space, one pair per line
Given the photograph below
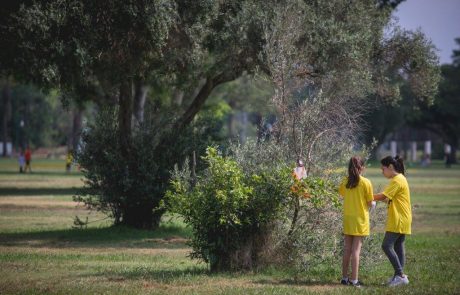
380, 197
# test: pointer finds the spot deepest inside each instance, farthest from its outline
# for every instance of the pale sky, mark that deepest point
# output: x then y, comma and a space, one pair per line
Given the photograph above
438, 19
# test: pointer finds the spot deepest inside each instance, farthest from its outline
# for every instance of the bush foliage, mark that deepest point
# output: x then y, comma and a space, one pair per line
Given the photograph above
243, 219
247, 212
130, 188
229, 212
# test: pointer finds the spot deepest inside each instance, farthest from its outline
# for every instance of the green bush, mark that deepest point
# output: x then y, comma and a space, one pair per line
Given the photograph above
230, 213
246, 219
130, 188
123, 187
246, 211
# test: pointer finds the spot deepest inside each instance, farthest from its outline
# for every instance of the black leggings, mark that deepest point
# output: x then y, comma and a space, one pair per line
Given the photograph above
393, 246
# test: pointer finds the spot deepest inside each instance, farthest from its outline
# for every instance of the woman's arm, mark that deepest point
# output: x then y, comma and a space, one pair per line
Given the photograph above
380, 197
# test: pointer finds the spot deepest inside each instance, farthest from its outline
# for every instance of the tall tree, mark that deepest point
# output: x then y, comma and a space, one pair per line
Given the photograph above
187, 48
443, 117
6, 115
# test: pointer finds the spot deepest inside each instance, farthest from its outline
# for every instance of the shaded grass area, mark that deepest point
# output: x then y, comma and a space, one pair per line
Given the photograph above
40, 253
37, 191
168, 235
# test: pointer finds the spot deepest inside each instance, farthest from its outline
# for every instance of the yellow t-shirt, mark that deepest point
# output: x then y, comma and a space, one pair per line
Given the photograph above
399, 218
355, 207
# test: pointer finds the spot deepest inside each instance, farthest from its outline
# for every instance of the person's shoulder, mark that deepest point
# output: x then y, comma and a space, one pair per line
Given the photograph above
365, 180
400, 179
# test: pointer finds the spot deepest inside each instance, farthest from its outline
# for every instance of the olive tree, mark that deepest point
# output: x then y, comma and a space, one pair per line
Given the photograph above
112, 50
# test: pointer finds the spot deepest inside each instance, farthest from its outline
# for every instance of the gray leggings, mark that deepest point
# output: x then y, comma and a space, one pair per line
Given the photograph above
393, 246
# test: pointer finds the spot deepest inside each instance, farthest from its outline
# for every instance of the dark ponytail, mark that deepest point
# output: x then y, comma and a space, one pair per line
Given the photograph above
354, 168
397, 162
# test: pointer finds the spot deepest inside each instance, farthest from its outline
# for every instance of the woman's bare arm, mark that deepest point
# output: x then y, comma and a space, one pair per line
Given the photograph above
380, 197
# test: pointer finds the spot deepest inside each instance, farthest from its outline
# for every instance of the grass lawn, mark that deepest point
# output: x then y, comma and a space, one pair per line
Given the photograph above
40, 253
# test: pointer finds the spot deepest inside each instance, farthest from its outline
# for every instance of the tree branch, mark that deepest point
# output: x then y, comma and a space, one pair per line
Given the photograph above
310, 149
201, 97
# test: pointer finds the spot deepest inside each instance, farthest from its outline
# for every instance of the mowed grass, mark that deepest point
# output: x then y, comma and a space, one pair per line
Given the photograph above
40, 252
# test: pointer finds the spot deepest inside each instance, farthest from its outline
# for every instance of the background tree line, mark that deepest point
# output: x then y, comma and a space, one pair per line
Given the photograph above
442, 117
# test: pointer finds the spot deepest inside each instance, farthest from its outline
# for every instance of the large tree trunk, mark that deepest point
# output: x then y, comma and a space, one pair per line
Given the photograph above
247, 255
453, 155
139, 216
258, 120
140, 96
231, 125
453, 141
76, 127
201, 96
6, 93
231, 121
178, 97
453, 152
125, 103
244, 127
137, 211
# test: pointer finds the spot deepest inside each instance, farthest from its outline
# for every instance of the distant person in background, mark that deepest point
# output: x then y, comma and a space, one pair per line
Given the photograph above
298, 174
21, 161
426, 160
68, 161
299, 171
447, 155
28, 157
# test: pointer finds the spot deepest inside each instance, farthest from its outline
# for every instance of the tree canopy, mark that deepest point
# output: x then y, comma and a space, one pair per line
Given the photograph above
443, 117
107, 51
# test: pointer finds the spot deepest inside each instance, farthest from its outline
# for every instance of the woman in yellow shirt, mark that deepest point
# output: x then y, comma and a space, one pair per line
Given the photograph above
399, 217
357, 193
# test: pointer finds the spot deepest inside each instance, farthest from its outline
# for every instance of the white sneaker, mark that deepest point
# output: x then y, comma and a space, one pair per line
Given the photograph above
397, 281
391, 278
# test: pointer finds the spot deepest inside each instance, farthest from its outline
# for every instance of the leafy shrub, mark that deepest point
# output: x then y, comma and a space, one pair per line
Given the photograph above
123, 187
230, 213
308, 230
130, 188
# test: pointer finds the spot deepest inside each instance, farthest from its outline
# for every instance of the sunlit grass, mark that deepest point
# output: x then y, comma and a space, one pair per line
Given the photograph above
38, 165
40, 253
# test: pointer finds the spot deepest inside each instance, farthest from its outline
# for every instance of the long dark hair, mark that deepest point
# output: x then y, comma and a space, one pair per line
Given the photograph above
397, 162
354, 168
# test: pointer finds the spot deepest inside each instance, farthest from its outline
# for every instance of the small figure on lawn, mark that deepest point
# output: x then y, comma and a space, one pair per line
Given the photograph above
28, 157
299, 171
21, 161
68, 161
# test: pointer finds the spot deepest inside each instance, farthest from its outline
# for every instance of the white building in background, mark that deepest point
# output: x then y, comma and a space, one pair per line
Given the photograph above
9, 149
427, 150
447, 149
393, 148
415, 146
